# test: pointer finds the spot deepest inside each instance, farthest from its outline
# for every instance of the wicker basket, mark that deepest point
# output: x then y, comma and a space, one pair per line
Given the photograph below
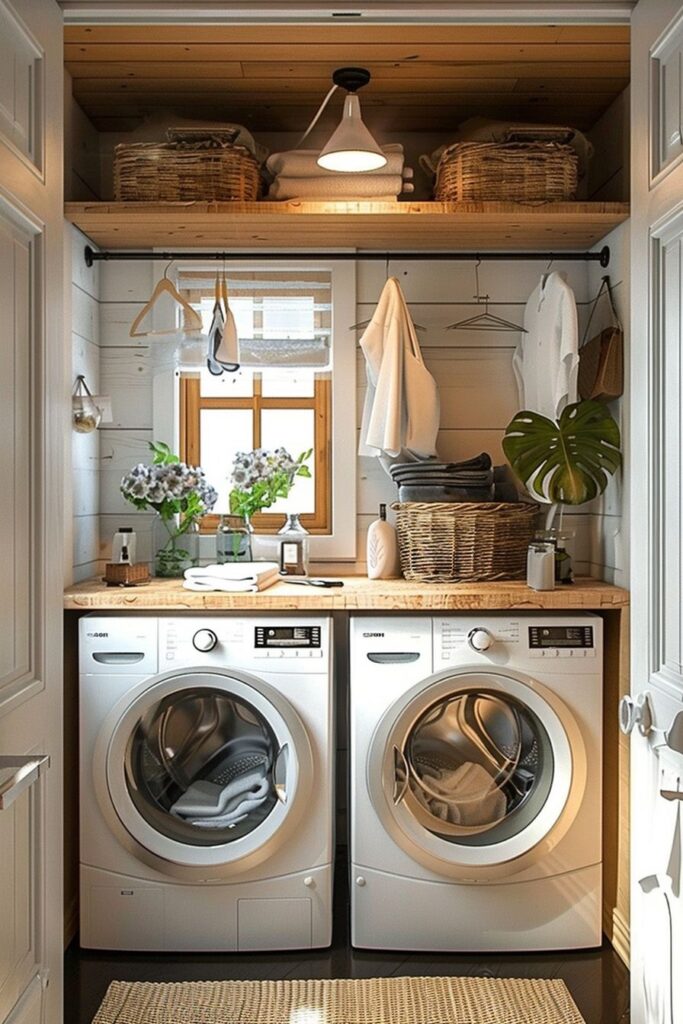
460, 542
524, 172
151, 172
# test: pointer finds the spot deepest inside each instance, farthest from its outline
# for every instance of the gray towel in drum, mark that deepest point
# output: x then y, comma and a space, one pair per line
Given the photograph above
209, 799
238, 809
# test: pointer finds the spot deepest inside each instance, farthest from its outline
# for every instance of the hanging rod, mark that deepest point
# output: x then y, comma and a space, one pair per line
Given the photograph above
93, 256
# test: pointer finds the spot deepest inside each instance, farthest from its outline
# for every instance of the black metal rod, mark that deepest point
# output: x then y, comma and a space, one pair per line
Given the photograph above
601, 256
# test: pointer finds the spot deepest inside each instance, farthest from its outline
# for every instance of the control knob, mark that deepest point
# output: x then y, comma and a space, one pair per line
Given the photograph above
479, 639
204, 640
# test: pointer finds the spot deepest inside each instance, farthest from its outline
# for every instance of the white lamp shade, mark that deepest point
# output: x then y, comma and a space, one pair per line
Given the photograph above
351, 148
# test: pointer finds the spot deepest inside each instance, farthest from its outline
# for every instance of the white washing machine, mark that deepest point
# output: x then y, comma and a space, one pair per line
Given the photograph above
476, 782
206, 783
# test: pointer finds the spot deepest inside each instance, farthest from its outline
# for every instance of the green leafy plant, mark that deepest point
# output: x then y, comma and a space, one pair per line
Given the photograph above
260, 477
568, 462
178, 493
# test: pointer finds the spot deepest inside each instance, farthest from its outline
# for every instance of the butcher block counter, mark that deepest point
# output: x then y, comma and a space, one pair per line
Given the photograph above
357, 594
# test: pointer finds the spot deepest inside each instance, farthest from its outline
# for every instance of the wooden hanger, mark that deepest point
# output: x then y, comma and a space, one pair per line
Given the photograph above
192, 320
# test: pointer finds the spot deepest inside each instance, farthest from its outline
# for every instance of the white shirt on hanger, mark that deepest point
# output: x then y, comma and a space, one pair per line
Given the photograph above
546, 362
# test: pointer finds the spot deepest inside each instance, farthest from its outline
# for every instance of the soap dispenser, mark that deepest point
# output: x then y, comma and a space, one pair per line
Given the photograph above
383, 559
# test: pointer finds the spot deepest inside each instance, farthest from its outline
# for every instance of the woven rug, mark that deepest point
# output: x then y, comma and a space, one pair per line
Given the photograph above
344, 1001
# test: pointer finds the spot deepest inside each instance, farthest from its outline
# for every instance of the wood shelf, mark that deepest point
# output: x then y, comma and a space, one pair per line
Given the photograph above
359, 225
357, 594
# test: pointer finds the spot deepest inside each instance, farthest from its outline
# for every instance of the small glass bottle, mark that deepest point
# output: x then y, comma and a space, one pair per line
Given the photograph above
294, 542
123, 546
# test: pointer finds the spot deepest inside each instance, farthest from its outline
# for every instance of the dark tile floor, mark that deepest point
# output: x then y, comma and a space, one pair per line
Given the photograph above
598, 980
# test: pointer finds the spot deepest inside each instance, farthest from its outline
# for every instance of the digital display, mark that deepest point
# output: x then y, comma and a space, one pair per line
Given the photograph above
560, 636
287, 636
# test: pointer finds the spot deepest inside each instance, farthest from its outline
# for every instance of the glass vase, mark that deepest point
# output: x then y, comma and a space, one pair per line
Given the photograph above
175, 546
234, 539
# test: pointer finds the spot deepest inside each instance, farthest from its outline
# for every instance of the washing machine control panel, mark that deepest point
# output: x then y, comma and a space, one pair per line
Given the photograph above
561, 641
286, 637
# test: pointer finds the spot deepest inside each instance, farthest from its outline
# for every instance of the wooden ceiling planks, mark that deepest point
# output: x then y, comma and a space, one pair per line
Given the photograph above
273, 76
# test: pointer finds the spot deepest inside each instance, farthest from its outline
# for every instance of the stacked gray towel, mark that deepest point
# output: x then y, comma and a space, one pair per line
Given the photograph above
471, 480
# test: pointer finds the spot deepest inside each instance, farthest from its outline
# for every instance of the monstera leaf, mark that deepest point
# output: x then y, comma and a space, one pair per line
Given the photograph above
567, 462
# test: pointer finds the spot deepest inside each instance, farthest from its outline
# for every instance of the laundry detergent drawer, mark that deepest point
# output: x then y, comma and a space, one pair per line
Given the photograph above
117, 646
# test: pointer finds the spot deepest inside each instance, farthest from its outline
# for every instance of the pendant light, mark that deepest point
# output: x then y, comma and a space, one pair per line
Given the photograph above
351, 148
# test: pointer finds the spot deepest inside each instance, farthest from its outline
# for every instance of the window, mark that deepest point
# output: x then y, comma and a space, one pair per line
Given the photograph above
220, 416
281, 396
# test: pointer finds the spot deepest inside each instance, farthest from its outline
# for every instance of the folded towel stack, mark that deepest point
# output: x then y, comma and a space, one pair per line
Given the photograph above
233, 577
471, 480
297, 175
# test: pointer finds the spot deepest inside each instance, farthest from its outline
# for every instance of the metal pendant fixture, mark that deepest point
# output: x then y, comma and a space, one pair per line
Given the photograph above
351, 148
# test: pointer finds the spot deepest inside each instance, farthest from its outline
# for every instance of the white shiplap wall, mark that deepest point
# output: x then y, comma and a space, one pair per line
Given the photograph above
473, 371
85, 448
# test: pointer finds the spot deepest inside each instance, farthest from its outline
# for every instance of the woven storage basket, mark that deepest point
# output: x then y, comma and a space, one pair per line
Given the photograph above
460, 542
532, 172
152, 172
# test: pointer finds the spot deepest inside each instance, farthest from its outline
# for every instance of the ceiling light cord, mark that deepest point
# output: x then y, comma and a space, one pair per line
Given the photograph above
317, 117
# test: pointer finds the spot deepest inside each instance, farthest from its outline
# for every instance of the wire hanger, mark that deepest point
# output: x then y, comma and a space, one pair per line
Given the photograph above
484, 321
362, 324
546, 273
191, 321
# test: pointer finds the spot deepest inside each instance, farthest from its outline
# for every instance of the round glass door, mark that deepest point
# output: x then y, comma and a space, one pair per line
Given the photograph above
200, 767
470, 770
203, 769
476, 767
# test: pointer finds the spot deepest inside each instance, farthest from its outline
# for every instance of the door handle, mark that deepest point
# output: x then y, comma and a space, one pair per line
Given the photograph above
671, 794
17, 774
280, 773
400, 763
634, 713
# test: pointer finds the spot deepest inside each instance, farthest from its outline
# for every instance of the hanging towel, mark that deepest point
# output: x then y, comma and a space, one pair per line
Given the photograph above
546, 361
303, 163
402, 401
233, 577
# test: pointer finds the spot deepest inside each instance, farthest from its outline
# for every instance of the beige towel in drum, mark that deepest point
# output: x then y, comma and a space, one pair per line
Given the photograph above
467, 796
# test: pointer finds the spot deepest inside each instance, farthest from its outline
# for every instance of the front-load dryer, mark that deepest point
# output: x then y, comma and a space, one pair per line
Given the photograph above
206, 783
476, 782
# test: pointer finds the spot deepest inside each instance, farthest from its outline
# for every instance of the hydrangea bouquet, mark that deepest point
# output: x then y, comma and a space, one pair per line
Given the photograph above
260, 477
180, 495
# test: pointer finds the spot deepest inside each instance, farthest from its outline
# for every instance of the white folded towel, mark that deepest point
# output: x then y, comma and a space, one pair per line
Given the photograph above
233, 577
346, 186
302, 163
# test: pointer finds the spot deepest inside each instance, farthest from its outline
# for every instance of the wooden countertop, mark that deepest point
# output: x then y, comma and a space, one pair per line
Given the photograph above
357, 594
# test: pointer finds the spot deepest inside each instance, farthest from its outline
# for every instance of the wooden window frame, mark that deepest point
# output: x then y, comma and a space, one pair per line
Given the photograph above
192, 402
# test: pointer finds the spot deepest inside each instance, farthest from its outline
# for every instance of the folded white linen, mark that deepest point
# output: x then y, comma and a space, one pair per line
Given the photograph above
233, 577
302, 163
355, 186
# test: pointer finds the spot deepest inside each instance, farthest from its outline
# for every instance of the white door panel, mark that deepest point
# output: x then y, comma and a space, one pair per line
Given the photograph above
33, 421
657, 490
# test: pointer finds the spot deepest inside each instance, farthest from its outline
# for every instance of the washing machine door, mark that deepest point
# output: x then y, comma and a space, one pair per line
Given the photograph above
472, 770
203, 772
